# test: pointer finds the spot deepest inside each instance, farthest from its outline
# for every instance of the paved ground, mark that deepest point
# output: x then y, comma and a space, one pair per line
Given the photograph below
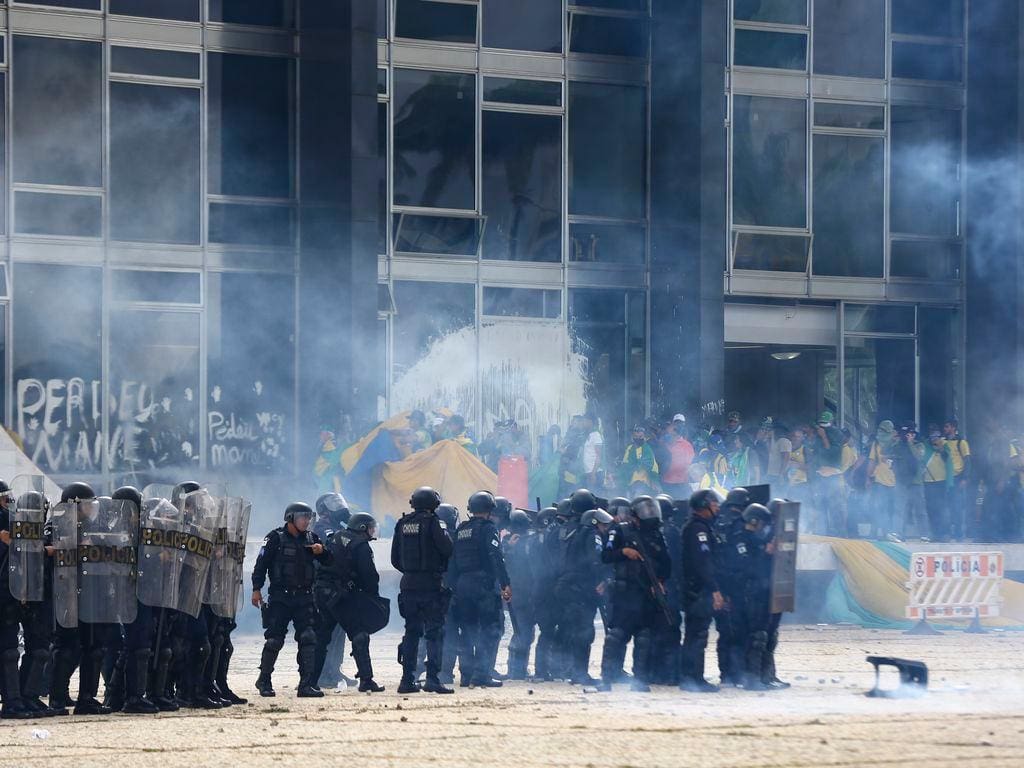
974, 714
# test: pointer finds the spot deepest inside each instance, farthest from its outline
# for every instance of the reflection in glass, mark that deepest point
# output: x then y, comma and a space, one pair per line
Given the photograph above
849, 38
607, 150
434, 116
776, 50
438, 235
507, 90
936, 18
775, 11
607, 243
878, 318
525, 25
522, 186
261, 13
522, 302
154, 134
925, 179
175, 10
435, 20
922, 61
250, 123
925, 259
48, 213
861, 116
58, 120
607, 36
771, 252
769, 161
849, 207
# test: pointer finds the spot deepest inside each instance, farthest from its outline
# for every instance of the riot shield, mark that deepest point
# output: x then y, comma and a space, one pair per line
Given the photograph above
157, 491
21, 484
108, 531
26, 558
787, 531
161, 553
238, 514
199, 512
219, 576
64, 538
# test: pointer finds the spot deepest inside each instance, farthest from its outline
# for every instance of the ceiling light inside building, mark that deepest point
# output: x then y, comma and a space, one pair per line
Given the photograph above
785, 355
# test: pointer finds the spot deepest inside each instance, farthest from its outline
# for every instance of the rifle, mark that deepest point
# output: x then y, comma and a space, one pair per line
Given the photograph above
657, 588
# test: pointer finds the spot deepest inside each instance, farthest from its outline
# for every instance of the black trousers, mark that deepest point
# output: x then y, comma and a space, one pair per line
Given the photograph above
632, 615
424, 613
696, 624
477, 611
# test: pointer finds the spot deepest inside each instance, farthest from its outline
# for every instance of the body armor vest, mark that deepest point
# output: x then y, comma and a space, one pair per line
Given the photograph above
293, 565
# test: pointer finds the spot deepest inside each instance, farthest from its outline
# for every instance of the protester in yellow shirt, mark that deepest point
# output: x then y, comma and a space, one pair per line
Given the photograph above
961, 496
938, 480
882, 494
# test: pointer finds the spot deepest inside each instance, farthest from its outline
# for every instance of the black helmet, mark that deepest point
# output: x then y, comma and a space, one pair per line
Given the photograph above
502, 508
563, 509
646, 508
518, 521
738, 497
616, 505
702, 499
297, 509
333, 506
665, 502
4, 487
582, 501
425, 498
757, 512
181, 490
448, 515
595, 517
362, 522
128, 493
546, 517
33, 500
76, 492
481, 503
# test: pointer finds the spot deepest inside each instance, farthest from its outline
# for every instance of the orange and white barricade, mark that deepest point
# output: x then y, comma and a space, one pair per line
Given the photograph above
954, 585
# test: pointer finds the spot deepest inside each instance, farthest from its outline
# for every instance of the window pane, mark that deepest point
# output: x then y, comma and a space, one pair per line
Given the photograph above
382, 82
89, 5
57, 358
522, 186
154, 368
777, 50
607, 36
3, 154
149, 61
261, 13
177, 10
251, 375
435, 20
925, 259
849, 172
849, 37
522, 302
250, 113
925, 186
862, 116
46, 213
920, 61
610, 243
152, 286
880, 318
615, 5
58, 115
439, 235
382, 178
243, 224
154, 134
607, 150
880, 382
506, 90
434, 139
776, 253
936, 18
382, 18
769, 161
525, 25
777, 11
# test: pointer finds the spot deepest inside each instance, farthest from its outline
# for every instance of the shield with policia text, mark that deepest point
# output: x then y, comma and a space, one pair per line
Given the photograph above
161, 553
221, 572
237, 532
26, 557
63, 524
108, 532
200, 513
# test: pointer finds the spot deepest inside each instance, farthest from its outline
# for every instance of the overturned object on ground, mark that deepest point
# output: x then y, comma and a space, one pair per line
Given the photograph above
913, 678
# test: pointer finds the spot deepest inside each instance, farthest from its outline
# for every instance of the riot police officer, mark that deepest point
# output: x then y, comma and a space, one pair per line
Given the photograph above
667, 634
288, 554
477, 565
522, 560
10, 615
750, 567
636, 599
701, 596
769, 677
546, 557
448, 514
420, 550
332, 514
348, 595
729, 646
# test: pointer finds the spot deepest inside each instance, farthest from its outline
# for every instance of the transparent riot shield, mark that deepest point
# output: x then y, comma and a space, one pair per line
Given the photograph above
787, 536
161, 553
64, 538
157, 491
26, 559
237, 530
220, 572
199, 513
108, 532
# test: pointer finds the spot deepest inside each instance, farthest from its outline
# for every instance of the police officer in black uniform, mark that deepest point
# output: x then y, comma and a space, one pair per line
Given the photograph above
448, 514
288, 554
546, 554
634, 607
668, 629
729, 646
522, 558
750, 566
420, 550
10, 616
701, 596
342, 589
769, 677
332, 514
477, 566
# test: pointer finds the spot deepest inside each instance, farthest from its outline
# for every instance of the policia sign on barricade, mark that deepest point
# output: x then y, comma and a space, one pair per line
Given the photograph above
954, 585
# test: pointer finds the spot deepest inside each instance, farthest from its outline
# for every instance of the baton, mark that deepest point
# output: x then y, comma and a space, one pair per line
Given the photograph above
159, 636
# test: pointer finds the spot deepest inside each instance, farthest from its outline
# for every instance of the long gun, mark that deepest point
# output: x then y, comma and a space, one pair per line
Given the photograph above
657, 588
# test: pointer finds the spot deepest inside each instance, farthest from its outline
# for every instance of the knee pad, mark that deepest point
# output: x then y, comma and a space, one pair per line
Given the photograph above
165, 655
306, 637
274, 643
759, 639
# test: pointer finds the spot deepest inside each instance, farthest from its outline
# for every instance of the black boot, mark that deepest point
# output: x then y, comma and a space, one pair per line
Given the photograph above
267, 660
158, 683
89, 683
64, 662
307, 669
33, 672
136, 676
195, 679
13, 708
223, 664
114, 691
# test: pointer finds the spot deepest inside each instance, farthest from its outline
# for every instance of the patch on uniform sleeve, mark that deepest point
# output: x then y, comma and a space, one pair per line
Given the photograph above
494, 543
444, 525
741, 548
702, 537
598, 544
